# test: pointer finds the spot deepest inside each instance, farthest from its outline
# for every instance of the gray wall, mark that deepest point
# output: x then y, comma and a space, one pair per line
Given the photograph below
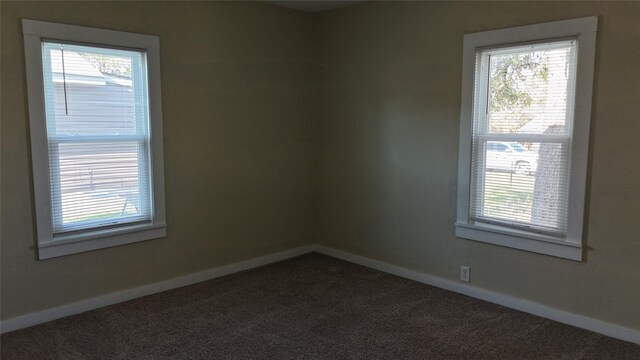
390, 106
239, 149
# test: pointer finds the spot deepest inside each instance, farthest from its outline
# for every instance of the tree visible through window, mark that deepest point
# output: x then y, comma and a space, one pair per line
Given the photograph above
524, 127
108, 64
510, 90
521, 143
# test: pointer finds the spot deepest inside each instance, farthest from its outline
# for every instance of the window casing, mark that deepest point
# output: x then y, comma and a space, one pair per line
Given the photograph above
526, 109
96, 137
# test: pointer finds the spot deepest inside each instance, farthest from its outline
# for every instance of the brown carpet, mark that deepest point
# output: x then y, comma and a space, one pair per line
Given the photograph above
310, 307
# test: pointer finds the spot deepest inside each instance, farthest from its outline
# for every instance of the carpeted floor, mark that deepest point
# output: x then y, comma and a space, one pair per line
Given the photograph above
310, 307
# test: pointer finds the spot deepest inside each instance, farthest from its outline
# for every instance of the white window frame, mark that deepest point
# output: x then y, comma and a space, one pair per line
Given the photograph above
49, 246
570, 246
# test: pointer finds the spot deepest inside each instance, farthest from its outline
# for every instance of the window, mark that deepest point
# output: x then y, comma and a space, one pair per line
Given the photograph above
96, 137
524, 133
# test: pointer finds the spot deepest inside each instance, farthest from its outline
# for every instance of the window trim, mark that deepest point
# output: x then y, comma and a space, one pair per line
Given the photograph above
48, 247
584, 30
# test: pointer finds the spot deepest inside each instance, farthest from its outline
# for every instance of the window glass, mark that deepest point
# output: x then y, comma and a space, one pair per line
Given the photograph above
521, 154
528, 88
98, 134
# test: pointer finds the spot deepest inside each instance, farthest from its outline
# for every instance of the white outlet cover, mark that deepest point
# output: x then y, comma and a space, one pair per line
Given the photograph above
465, 273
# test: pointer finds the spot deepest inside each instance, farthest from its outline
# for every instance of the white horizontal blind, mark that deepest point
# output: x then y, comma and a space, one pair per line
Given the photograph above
523, 117
98, 135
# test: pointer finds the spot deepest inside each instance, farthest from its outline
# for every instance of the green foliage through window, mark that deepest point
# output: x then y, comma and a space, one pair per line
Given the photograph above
509, 77
109, 64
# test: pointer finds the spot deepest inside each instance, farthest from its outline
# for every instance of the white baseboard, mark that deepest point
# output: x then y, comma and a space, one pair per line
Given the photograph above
43, 316
530, 307
580, 321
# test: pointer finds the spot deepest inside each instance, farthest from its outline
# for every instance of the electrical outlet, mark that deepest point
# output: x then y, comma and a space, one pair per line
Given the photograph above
465, 273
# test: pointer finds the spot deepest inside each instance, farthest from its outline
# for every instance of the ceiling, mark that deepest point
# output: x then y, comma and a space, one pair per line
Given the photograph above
312, 5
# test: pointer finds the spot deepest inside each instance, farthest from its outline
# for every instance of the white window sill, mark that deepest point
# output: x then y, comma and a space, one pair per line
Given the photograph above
88, 241
521, 240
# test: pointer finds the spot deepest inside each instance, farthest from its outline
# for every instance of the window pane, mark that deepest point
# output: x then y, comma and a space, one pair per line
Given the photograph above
526, 185
99, 181
91, 91
529, 88
97, 126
